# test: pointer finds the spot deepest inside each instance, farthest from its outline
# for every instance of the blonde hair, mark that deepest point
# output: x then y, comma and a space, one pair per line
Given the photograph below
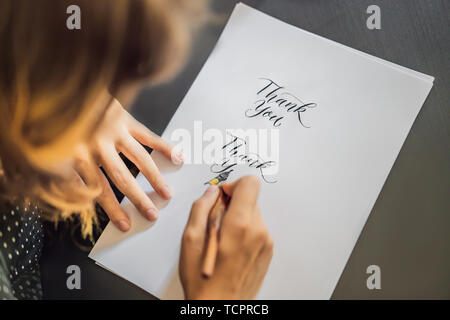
52, 77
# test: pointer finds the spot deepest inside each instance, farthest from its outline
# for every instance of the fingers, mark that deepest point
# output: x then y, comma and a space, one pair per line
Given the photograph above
240, 246
108, 201
142, 159
243, 228
127, 184
244, 194
194, 235
147, 137
253, 238
198, 219
91, 174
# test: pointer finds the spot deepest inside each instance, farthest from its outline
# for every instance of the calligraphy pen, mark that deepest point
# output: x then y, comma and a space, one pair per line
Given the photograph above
214, 222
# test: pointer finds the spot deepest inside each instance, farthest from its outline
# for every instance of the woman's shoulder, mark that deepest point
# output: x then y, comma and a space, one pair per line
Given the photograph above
5, 283
21, 243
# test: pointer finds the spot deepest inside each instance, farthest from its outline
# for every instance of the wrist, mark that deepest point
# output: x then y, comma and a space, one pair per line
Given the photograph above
213, 292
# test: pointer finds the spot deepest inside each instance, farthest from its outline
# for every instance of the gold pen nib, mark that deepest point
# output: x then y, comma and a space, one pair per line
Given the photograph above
220, 178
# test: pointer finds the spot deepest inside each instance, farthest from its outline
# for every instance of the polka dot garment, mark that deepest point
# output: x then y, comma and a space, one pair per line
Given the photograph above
21, 242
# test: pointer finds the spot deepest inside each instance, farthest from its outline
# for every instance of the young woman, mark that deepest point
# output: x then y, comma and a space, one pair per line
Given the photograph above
60, 122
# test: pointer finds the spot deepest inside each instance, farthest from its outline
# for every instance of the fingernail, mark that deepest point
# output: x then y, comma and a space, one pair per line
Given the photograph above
166, 192
124, 225
178, 158
152, 214
212, 189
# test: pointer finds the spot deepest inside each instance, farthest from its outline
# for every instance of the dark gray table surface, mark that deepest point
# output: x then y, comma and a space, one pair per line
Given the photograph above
407, 233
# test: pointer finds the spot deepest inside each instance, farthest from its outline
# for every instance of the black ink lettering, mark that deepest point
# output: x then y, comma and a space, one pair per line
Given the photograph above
273, 95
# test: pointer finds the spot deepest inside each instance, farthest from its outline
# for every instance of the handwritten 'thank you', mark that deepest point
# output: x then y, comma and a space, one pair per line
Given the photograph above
274, 103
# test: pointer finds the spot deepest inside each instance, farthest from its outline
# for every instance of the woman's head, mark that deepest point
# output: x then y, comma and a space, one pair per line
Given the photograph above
53, 80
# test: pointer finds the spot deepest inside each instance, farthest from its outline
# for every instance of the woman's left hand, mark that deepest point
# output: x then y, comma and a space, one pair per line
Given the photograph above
117, 133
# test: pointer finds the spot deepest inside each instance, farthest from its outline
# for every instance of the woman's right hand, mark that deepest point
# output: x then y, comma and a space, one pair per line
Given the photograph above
245, 247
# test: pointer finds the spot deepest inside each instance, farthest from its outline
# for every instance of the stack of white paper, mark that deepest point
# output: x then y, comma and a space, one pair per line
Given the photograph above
333, 157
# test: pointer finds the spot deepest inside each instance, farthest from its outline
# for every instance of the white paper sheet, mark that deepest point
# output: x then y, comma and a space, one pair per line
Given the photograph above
331, 170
